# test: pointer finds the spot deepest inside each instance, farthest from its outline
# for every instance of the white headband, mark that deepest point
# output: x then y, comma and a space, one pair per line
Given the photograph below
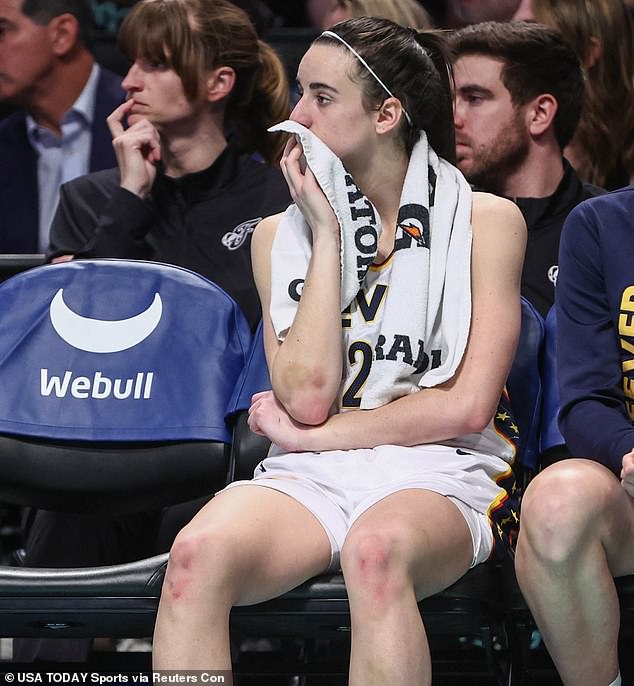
369, 68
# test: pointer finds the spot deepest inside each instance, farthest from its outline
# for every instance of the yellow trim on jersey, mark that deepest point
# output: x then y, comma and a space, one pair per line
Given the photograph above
382, 265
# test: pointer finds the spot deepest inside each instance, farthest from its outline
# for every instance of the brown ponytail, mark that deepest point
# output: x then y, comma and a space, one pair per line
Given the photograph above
438, 124
268, 103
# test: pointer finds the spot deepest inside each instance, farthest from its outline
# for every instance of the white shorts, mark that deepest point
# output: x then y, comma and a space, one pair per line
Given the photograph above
340, 485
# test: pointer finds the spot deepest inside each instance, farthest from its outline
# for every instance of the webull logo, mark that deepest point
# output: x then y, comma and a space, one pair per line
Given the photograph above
100, 336
98, 387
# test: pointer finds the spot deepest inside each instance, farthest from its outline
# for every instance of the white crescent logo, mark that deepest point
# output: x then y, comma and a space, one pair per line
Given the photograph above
103, 336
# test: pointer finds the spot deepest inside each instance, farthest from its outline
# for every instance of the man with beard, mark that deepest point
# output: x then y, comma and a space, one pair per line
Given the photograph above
518, 97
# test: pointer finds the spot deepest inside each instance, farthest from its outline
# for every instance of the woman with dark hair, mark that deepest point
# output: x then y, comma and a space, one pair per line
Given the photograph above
202, 90
390, 459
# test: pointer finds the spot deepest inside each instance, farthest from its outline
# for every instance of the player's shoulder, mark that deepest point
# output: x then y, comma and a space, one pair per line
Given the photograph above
268, 226
265, 232
491, 214
498, 226
486, 206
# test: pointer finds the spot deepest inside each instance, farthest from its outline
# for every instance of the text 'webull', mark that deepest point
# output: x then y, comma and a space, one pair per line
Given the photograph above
98, 386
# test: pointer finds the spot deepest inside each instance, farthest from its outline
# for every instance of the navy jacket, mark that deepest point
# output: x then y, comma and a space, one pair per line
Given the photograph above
595, 328
19, 214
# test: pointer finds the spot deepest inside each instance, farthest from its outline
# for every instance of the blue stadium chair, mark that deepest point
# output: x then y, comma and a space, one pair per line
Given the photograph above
525, 386
466, 623
115, 379
552, 445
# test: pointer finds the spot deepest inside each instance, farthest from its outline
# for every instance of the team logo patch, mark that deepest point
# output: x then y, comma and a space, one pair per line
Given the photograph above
553, 273
103, 336
413, 221
232, 240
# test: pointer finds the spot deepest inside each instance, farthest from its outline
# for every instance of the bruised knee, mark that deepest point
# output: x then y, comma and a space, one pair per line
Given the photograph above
374, 565
200, 562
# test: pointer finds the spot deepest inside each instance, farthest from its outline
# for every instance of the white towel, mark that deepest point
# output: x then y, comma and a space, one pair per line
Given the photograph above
430, 285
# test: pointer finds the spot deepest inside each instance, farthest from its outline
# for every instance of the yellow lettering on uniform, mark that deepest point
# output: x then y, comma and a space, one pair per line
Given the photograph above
628, 347
626, 328
626, 324
629, 406
627, 300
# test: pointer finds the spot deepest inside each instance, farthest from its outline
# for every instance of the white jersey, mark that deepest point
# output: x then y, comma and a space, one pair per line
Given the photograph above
363, 344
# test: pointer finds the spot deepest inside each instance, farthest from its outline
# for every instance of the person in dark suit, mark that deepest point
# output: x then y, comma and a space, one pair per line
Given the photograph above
59, 130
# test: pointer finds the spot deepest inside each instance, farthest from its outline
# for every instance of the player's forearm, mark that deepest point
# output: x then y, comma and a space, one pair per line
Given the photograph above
306, 372
427, 416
